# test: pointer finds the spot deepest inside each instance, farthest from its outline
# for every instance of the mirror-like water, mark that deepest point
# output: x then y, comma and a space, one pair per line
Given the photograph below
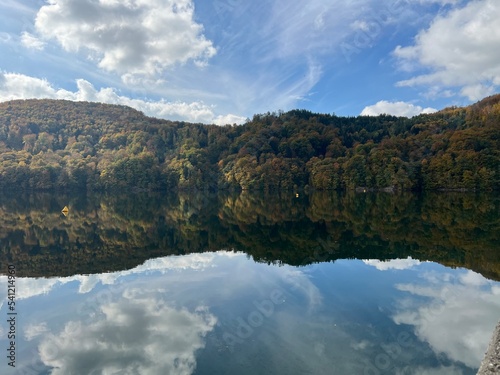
321, 284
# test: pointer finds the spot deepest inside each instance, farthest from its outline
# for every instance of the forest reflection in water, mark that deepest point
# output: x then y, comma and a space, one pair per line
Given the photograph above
105, 233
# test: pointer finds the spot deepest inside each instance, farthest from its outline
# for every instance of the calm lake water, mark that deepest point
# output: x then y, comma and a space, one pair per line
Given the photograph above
250, 283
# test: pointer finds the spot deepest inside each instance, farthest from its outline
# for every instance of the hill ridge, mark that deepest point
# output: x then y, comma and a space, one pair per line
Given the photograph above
50, 144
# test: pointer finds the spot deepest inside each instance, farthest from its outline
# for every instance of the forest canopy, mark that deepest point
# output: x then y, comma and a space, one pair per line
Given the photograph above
63, 145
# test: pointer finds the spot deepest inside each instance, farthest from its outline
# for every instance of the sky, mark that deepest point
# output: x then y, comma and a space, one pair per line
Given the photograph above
223, 61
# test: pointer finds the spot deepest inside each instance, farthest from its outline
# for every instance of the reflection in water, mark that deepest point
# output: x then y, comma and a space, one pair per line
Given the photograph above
128, 285
111, 233
222, 313
137, 334
452, 321
395, 264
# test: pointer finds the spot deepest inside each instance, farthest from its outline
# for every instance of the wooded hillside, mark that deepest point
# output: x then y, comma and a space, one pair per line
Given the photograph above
50, 144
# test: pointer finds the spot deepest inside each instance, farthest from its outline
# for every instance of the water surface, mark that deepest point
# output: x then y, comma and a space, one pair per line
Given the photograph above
252, 284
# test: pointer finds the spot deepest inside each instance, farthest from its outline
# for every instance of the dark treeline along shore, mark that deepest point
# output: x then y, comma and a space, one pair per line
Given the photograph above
112, 232
63, 145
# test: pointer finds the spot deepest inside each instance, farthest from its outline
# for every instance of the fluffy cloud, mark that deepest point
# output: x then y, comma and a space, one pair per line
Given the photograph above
29, 287
135, 36
134, 336
30, 41
459, 317
395, 108
34, 330
19, 86
460, 49
228, 119
395, 264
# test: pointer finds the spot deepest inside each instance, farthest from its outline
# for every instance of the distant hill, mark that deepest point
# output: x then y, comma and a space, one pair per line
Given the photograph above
62, 145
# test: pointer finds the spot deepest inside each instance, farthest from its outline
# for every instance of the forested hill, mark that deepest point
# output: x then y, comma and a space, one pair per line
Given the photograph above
51, 144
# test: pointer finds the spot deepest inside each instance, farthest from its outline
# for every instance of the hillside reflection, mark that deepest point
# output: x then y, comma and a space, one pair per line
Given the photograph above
104, 233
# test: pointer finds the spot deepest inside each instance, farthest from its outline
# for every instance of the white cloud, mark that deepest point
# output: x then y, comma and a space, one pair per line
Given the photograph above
394, 264
134, 336
473, 279
30, 41
34, 330
295, 28
361, 345
5, 37
29, 287
360, 25
229, 119
460, 49
477, 91
395, 108
292, 44
457, 319
301, 283
131, 37
19, 86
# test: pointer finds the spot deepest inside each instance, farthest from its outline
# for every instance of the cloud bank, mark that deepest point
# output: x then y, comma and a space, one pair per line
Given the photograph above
457, 319
459, 49
136, 36
395, 108
394, 264
132, 336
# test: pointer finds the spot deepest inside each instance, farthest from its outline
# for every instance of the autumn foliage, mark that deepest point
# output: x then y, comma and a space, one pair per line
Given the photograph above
62, 145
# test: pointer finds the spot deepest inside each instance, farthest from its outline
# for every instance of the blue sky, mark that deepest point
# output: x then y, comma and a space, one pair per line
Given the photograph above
223, 61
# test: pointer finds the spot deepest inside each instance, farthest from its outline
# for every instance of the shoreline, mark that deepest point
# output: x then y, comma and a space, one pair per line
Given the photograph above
491, 361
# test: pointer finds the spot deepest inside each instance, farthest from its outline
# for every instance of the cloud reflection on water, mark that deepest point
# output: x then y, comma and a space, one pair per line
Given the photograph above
458, 316
132, 335
156, 318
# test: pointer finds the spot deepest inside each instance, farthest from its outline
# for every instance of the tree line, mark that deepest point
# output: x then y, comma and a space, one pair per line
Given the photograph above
63, 145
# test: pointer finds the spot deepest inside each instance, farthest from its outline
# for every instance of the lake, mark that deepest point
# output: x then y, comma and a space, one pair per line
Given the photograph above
249, 283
